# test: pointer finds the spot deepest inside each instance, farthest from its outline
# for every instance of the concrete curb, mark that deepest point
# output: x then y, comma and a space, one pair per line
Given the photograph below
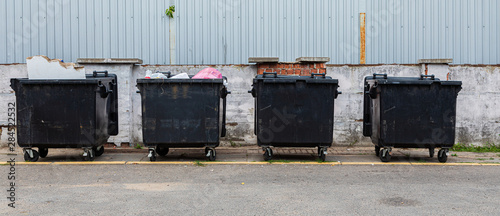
246, 163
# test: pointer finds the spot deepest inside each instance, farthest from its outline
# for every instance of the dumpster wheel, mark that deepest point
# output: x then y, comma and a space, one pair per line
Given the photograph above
443, 155
161, 151
210, 153
43, 152
385, 155
33, 157
268, 154
89, 154
322, 153
152, 154
431, 152
98, 150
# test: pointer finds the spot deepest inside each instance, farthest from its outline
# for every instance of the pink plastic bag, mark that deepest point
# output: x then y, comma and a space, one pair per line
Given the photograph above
208, 73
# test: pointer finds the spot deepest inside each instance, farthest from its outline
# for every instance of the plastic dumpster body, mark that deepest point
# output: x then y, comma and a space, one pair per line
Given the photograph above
294, 111
75, 113
410, 112
182, 113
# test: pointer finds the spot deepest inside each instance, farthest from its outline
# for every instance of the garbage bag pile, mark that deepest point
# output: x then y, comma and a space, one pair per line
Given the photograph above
207, 73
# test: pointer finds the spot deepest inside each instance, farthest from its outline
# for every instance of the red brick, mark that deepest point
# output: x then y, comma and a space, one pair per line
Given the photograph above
260, 71
289, 71
297, 66
273, 65
277, 70
280, 65
320, 65
297, 71
322, 71
285, 65
263, 66
269, 70
314, 71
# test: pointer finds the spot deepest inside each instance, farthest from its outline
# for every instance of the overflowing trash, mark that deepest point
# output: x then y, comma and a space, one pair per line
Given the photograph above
207, 73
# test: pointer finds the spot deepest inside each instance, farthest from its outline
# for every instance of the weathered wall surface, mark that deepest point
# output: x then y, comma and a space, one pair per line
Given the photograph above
478, 117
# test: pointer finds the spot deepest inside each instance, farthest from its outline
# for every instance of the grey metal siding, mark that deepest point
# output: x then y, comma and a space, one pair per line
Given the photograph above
230, 31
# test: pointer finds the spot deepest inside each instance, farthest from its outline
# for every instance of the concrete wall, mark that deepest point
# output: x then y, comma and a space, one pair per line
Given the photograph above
478, 118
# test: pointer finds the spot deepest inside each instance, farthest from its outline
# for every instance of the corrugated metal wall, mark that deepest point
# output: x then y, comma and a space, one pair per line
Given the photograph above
230, 31
85, 28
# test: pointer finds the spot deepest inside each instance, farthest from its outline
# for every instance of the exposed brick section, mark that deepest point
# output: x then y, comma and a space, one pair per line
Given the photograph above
292, 68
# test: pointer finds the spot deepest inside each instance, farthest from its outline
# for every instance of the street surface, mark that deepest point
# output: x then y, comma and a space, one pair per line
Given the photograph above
270, 189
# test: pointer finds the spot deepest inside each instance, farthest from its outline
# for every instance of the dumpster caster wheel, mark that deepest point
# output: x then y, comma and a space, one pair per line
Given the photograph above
98, 150
90, 155
377, 151
431, 152
210, 154
27, 156
322, 155
43, 152
442, 155
152, 155
268, 154
385, 155
161, 151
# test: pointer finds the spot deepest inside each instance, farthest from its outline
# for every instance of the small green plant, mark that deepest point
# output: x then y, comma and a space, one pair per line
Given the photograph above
488, 147
170, 11
453, 155
481, 159
353, 143
498, 155
233, 144
138, 146
198, 163
421, 161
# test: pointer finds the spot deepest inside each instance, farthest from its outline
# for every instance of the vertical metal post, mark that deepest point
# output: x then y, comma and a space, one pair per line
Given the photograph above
362, 27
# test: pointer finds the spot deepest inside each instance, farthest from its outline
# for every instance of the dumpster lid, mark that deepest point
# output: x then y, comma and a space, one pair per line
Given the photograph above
383, 79
26, 81
176, 81
275, 78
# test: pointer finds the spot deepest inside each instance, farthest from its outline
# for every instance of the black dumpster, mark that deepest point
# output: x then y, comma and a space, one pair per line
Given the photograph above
182, 113
294, 111
75, 113
410, 112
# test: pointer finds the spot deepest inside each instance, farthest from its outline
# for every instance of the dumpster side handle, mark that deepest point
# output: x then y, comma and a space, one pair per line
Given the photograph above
224, 93
323, 75
376, 74
426, 76
269, 73
98, 72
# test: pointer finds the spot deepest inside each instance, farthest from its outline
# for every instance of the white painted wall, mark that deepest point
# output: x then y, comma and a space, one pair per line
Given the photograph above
478, 117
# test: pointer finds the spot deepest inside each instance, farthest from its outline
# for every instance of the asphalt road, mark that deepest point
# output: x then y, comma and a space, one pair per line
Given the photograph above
253, 190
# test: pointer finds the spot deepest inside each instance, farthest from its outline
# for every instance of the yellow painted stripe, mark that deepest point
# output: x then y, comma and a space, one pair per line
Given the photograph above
161, 162
89, 163
245, 163
33, 163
